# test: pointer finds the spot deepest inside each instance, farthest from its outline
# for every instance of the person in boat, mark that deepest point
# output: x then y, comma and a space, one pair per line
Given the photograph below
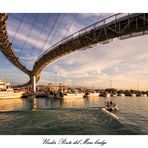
110, 106
107, 104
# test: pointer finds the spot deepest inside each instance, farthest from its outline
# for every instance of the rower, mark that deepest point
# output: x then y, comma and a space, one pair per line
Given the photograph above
110, 106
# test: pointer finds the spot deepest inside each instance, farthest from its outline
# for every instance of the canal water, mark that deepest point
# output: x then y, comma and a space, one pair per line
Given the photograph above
44, 116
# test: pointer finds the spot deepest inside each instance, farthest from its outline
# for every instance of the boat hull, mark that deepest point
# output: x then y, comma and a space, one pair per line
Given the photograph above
10, 95
70, 96
92, 95
113, 116
51, 96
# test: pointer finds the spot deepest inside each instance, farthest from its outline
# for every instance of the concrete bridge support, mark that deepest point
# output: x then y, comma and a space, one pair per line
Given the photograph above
33, 84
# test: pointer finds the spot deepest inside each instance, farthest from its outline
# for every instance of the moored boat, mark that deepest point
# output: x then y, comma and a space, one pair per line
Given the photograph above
69, 95
91, 95
121, 95
134, 95
7, 92
51, 95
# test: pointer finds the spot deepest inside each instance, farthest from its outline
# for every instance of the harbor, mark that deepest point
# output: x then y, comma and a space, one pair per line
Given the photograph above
44, 116
61, 91
73, 74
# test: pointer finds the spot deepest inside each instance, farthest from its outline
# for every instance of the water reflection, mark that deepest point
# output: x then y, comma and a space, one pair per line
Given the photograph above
133, 113
34, 104
11, 104
45, 103
73, 102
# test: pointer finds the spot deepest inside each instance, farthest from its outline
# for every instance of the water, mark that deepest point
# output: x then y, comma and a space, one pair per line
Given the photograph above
42, 116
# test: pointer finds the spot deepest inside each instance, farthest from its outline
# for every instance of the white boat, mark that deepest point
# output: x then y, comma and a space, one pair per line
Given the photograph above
108, 95
133, 95
115, 107
144, 95
69, 95
121, 95
112, 115
109, 106
7, 92
91, 95
114, 95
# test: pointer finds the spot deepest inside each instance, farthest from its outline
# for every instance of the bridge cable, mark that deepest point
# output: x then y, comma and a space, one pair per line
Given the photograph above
28, 34
57, 29
43, 27
48, 35
70, 25
18, 27
98, 19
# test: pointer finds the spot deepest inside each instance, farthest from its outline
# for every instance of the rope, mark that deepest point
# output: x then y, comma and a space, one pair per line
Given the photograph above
28, 34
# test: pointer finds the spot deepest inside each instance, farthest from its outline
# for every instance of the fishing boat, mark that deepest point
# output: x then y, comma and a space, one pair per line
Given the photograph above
107, 95
133, 95
91, 95
121, 95
51, 95
7, 92
69, 95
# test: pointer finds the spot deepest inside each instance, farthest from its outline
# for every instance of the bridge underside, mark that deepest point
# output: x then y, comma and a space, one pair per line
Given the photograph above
102, 32
128, 26
6, 46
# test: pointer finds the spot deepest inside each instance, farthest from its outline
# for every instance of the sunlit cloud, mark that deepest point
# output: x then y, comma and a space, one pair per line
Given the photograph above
122, 61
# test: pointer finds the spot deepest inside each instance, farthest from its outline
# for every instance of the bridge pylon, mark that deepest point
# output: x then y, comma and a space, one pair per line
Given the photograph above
33, 84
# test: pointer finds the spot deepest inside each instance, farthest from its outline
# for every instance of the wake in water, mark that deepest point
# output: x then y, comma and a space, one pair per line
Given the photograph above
59, 121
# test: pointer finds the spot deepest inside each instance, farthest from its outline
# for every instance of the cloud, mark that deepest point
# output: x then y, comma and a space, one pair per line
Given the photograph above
122, 61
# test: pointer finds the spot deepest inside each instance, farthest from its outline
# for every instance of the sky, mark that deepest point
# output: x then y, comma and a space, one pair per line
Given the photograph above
122, 61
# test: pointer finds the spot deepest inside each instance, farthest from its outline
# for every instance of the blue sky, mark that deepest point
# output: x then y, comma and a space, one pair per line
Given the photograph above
122, 61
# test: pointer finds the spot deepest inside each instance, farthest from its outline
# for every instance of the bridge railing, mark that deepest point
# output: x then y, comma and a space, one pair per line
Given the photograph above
85, 30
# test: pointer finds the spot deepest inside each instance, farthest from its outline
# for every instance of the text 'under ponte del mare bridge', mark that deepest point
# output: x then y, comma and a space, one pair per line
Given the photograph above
102, 31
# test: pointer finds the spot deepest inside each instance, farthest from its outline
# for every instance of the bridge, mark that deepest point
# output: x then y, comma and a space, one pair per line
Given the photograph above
121, 26
6, 46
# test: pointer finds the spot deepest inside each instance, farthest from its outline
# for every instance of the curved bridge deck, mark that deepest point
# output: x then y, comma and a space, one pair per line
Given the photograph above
120, 26
6, 46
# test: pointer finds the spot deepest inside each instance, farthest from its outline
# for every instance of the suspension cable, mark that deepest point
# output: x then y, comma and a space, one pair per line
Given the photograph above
28, 34
43, 27
57, 29
48, 35
18, 27
99, 17
70, 25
